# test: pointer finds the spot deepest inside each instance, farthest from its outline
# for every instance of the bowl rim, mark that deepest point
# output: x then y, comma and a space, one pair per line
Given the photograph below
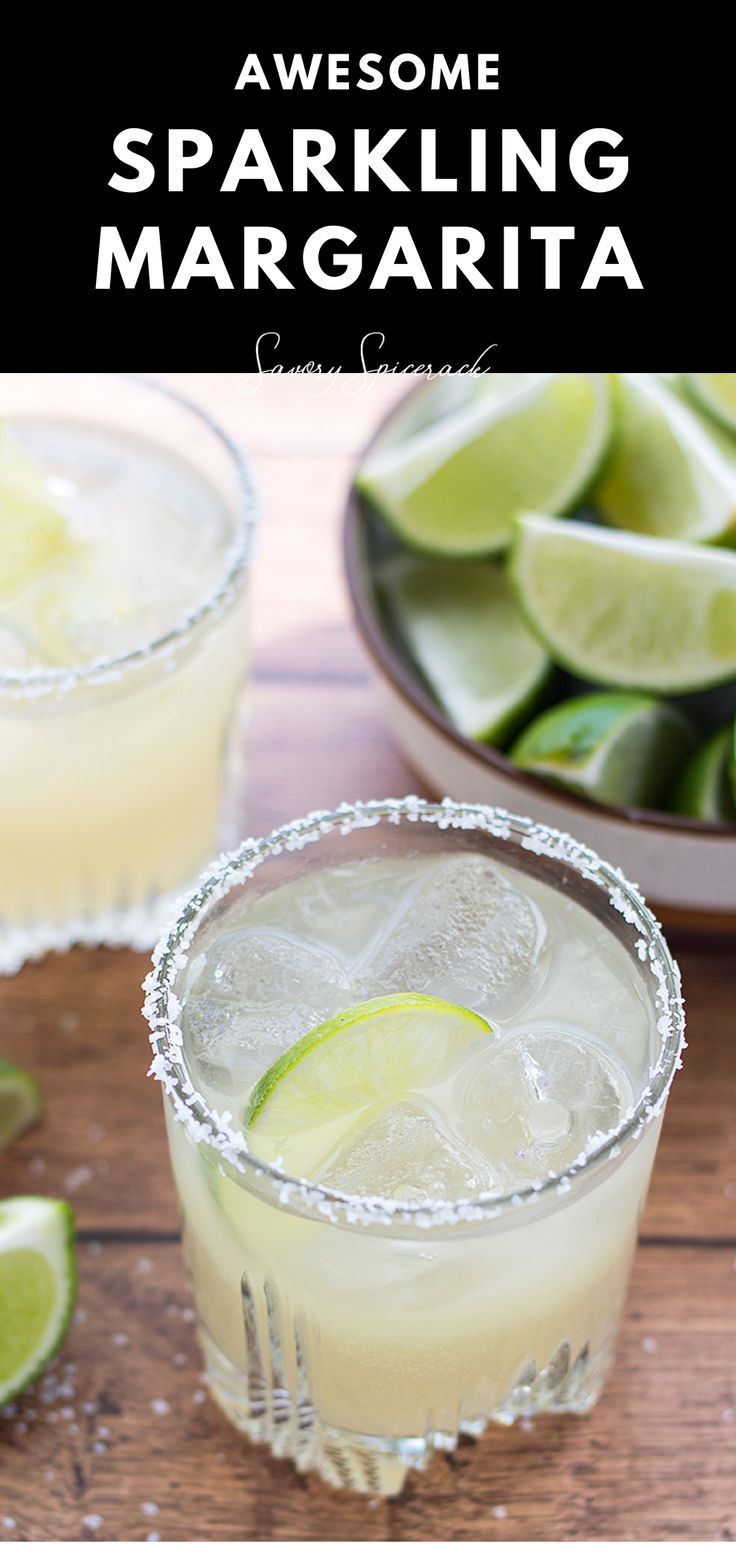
368, 622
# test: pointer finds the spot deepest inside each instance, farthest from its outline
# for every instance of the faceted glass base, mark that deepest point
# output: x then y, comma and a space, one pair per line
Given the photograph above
266, 1412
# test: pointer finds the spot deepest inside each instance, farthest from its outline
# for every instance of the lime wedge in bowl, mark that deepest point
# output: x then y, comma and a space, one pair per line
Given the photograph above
527, 442
37, 1287
383, 1050
20, 1102
706, 787
613, 747
628, 611
716, 394
426, 405
463, 627
667, 475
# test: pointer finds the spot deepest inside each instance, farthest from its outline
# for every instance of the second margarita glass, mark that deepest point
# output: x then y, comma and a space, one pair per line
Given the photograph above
122, 653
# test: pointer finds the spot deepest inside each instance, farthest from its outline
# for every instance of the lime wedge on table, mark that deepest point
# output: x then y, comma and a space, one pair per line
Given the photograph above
614, 747
32, 528
20, 1101
455, 488
716, 394
706, 787
463, 627
628, 611
668, 475
383, 1050
37, 1285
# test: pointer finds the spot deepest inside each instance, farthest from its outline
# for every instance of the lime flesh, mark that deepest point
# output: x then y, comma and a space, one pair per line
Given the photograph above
613, 747
37, 1286
716, 394
20, 1102
377, 1052
32, 528
456, 488
464, 629
667, 475
628, 611
706, 787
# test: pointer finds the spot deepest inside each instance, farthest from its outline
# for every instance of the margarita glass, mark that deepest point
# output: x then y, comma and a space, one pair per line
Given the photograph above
126, 520
461, 1254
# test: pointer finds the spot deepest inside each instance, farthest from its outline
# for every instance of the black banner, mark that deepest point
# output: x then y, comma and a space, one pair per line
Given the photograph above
559, 191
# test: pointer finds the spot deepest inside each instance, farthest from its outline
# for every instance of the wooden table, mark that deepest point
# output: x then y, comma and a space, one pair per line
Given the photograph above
121, 1442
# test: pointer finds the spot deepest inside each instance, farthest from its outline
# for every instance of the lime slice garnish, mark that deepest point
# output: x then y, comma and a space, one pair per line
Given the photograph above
455, 488
667, 475
628, 611
466, 633
615, 747
381, 1051
37, 1286
706, 787
32, 528
20, 1102
716, 394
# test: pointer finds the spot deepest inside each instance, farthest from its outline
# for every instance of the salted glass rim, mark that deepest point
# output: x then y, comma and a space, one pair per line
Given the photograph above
227, 1143
42, 681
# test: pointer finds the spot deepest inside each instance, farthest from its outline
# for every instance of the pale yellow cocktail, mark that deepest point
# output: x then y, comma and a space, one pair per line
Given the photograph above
125, 530
419, 1216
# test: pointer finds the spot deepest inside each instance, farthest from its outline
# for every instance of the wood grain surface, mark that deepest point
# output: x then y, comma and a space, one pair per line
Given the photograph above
121, 1441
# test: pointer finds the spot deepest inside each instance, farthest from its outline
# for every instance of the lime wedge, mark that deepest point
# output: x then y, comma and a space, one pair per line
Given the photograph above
716, 394
20, 1102
32, 528
613, 747
706, 787
430, 402
628, 611
466, 633
667, 476
379, 1051
455, 488
37, 1286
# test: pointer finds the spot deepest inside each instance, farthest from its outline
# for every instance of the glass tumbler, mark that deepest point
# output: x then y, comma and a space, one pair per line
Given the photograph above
121, 770
357, 1335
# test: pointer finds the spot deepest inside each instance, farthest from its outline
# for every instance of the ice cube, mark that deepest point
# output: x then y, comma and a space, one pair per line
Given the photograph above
595, 981
408, 1155
346, 910
252, 996
534, 1100
466, 934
